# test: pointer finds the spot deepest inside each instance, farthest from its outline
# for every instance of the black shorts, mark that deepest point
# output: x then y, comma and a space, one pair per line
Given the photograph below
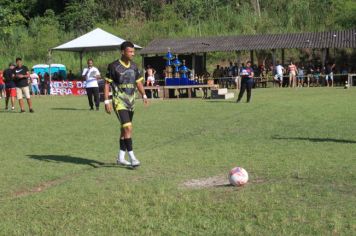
125, 117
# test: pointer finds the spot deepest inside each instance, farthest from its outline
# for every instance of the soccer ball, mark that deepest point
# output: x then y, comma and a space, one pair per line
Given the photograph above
238, 176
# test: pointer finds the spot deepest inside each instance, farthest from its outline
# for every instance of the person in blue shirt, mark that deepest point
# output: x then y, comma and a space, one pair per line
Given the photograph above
246, 74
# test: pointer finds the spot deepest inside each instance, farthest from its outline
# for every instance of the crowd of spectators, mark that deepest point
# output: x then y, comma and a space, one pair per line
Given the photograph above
290, 75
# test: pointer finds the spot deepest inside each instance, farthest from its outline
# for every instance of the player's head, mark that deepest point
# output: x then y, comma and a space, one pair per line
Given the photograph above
248, 63
11, 65
127, 50
90, 62
19, 61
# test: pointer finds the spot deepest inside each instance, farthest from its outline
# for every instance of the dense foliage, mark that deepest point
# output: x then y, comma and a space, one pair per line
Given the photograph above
28, 28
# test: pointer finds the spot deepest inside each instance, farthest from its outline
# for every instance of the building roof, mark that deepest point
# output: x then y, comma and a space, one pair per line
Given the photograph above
332, 39
95, 40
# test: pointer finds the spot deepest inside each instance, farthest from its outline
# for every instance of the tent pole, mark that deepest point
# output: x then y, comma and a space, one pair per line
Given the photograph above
49, 69
81, 61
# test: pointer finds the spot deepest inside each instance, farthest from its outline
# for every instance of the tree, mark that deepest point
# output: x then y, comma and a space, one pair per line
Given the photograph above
80, 16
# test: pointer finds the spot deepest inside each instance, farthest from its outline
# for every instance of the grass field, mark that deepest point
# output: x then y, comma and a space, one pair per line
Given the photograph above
58, 177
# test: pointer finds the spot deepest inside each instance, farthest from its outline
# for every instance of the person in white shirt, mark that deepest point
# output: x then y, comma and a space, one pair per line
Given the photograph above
279, 74
91, 75
34, 83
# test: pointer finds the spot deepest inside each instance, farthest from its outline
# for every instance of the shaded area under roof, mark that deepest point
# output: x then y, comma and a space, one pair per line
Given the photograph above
332, 39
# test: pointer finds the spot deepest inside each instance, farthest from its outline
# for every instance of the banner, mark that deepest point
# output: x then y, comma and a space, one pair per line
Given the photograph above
75, 87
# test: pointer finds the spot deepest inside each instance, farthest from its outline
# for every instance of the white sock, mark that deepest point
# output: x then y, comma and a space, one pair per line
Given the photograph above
132, 155
122, 155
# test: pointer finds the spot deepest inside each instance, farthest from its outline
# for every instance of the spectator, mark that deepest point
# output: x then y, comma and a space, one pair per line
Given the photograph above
2, 85
91, 75
279, 74
34, 83
329, 75
151, 81
301, 76
316, 75
292, 75
22, 88
217, 74
70, 76
10, 86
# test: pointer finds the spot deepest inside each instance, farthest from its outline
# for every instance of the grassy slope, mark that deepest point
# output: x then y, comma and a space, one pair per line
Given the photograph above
297, 145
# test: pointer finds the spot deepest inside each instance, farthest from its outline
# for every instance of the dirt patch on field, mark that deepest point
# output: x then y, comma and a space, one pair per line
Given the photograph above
43, 186
215, 181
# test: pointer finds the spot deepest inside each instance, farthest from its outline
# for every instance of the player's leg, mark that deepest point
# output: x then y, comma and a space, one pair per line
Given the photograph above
96, 97
26, 91
90, 97
242, 90
20, 98
249, 85
122, 150
127, 126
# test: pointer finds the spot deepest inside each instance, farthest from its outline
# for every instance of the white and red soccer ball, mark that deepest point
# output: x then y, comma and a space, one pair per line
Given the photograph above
238, 176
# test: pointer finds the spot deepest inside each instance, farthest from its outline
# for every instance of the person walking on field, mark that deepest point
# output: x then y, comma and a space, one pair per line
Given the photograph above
34, 83
246, 81
292, 75
10, 86
2, 85
124, 77
91, 75
22, 88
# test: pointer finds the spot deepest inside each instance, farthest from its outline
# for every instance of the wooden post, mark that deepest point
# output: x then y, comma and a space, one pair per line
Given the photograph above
323, 57
274, 57
238, 54
283, 57
193, 67
81, 61
251, 57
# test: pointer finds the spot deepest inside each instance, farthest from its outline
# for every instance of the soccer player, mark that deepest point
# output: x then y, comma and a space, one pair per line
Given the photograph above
124, 77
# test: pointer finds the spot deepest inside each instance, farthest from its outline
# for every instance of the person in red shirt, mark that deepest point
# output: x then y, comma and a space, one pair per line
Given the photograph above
10, 87
2, 85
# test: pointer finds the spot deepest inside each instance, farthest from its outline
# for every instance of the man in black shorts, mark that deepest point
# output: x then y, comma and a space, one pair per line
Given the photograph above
124, 77
21, 81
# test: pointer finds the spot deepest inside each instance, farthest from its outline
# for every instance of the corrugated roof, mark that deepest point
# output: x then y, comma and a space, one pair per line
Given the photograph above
332, 39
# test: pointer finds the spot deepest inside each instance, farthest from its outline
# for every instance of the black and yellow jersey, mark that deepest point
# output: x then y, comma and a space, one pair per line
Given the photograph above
123, 79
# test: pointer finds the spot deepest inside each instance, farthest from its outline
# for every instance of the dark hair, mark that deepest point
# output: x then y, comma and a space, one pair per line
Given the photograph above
248, 62
18, 59
126, 44
90, 59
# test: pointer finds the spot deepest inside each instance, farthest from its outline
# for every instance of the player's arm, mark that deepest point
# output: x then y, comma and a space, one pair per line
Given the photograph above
108, 80
108, 107
142, 91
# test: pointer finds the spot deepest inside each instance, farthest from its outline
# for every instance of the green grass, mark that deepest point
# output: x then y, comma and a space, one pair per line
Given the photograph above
57, 171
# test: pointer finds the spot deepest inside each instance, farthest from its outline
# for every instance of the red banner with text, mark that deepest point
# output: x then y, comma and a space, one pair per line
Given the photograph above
75, 88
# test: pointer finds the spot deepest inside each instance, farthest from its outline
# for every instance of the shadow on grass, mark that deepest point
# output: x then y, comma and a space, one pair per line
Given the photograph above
333, 140
222, 101
74, 160
69, 109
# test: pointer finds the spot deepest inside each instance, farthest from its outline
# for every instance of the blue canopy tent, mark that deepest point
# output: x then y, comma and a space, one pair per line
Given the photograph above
55, 69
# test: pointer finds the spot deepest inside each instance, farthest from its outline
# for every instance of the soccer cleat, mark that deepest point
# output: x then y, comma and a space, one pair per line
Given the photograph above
135, 163
12, 108
123, 162
31, 110
23, 111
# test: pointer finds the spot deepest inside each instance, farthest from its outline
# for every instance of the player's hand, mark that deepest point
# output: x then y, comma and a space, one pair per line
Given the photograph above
145, 100
108, 108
